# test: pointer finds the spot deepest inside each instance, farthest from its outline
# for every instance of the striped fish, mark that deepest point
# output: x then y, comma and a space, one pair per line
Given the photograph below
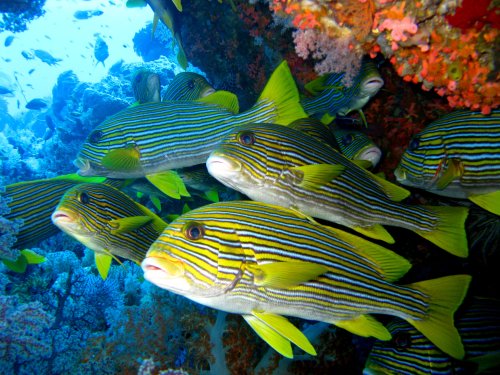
356, 145
410, 353
187, 86
146, 86
457, 156
279, 165
33, 203
264, 261
331, 97
108, 222
154, 137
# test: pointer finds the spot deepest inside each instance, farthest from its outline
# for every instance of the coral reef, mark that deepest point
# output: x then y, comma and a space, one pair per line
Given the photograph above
16, 14
443, 46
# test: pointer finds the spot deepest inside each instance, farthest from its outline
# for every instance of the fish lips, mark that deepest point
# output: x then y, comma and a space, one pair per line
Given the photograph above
66, 221
220, 165
372, 154
86, 168
165, 272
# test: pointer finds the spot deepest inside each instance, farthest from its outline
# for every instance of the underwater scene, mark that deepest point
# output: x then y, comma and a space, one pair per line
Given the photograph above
249, 187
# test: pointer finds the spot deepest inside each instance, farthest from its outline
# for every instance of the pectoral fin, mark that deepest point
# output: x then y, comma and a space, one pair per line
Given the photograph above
316, 175
285, 274
128, 224
122, 159
453, 169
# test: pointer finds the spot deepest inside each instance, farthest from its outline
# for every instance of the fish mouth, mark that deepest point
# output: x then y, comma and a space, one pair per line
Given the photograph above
208, 91
400, 175
165, 272
60, 216
83, 166
372, 154
371, 86
219, 165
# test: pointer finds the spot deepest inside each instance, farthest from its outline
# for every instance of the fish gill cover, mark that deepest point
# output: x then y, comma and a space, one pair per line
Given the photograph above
67, 66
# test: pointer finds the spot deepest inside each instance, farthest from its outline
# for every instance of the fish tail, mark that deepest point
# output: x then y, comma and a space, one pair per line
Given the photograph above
449, 231
282, 91
445, 295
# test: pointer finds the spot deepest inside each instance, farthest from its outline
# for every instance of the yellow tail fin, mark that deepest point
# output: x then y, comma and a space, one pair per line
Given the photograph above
449, 233
445, 296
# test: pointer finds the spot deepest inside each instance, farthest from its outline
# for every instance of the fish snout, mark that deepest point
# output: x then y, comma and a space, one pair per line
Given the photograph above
83, 166
372, 86
208, 91
219, 164
62, 218
400, 174
371, 154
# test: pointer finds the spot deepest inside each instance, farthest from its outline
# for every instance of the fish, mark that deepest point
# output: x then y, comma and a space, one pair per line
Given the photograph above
187, 86
108, 222
330, 97
86, 14
44, 56
411, 353
164, 11
8, 40
146, 86
353, 144
283, 166
456, 156
264, 261
6, 91
36, 104
356, 145
155, 137
27, 55
101, 52
32, 203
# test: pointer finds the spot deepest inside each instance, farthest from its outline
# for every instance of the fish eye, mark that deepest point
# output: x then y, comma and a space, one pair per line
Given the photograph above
194, 231
402, 340
347, 139
190, 84
95, 137
83, 198
414, 143
246, 138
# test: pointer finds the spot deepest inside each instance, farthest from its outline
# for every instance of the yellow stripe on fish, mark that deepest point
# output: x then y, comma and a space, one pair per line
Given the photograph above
283, 166
264, 261
457, 156
33, 203
108, 222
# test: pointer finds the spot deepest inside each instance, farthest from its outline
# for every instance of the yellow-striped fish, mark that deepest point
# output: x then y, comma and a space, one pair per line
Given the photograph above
34, 201
410, 353
187, 86
279, 165
146, 86
155, 137
332, 97
457, 156
264, 261
108, 222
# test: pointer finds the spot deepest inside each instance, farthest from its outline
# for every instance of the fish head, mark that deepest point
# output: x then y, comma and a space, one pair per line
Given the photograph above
367, 83
422, 163
73, 215
197, 255
242, 159
146, 86
188, 86
109, 152
408, 352
356, 145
